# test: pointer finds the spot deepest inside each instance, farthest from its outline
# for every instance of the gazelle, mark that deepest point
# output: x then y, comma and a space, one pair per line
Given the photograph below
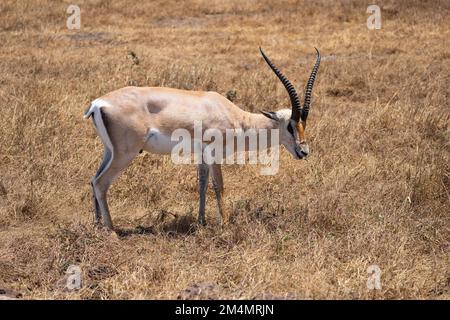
133, 119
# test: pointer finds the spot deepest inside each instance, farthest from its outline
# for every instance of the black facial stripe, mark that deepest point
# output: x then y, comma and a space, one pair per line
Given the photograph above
289, 128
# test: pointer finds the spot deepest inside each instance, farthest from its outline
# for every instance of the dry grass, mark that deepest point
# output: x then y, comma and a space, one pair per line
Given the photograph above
375, 189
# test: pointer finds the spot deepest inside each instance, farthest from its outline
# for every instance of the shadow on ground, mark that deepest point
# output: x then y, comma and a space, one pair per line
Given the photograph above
178, 225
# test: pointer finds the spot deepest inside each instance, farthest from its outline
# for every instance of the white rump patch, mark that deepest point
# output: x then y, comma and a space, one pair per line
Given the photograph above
101, 103
97, 103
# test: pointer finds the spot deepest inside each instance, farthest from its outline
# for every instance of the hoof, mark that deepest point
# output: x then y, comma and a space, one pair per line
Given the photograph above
225, 222
101, 227
113, 235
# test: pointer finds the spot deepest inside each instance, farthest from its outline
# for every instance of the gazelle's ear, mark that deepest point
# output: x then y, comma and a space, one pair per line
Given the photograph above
271, 115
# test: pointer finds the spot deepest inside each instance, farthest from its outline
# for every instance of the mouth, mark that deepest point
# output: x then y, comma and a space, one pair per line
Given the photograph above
300, 154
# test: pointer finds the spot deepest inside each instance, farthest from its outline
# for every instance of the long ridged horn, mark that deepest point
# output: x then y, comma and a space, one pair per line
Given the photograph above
309, 87
295, 101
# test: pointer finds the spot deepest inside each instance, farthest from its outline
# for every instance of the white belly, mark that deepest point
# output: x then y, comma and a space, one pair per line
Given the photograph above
158, 143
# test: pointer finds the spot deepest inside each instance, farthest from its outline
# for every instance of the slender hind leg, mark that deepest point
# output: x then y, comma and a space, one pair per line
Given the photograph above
122, 140
106, 159
203, 174
218, 190
104, 179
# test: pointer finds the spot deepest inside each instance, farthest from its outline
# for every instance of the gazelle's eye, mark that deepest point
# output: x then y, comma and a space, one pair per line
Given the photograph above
289, 128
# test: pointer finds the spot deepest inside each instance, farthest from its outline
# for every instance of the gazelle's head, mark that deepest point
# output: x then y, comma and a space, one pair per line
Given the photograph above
292, 122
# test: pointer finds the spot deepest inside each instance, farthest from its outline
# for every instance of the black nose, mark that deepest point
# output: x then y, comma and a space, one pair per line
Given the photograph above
300, 154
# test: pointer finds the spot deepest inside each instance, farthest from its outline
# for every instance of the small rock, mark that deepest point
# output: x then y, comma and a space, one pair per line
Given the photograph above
200, 291
8, 294
271, 296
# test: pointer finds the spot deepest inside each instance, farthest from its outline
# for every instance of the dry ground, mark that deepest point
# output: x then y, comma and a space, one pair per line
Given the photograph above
375, 189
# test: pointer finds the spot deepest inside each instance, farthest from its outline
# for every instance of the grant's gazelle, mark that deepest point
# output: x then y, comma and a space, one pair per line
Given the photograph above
133, 119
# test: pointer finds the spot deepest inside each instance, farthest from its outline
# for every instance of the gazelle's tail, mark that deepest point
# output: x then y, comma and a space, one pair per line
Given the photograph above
97, 116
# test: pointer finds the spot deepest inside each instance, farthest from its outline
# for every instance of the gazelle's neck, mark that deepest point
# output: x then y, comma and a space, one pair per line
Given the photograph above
257, 121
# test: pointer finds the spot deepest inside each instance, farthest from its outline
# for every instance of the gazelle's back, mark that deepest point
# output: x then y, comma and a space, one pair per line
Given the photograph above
167, 108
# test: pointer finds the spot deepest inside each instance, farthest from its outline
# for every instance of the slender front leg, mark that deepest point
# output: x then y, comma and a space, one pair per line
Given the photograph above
218, 190
203, 175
